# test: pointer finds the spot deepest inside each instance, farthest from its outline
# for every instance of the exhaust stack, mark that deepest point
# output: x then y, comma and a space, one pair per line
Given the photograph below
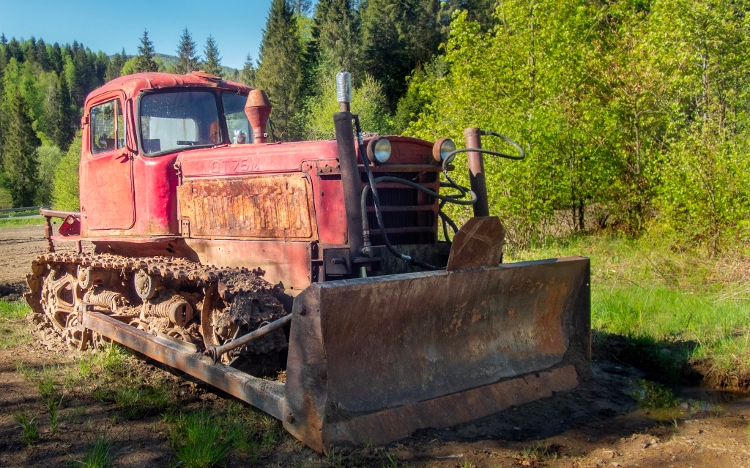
257, 110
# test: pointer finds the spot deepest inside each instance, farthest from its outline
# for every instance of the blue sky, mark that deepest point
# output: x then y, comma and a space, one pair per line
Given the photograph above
109, 26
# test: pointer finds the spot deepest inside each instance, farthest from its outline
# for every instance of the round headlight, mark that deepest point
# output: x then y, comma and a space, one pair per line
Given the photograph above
379, 150
442, 148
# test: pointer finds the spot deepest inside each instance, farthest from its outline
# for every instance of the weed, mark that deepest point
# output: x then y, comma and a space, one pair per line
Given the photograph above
335, 460
129, 399
12, 328
99, 453
30, 428
538, 452
652, 395
26, 372
53, 407
47, 385
199, 440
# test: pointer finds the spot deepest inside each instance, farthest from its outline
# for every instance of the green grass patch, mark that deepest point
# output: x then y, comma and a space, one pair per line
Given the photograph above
13, 328
200, 440
99, 453
30, 428
677, 308
18, 222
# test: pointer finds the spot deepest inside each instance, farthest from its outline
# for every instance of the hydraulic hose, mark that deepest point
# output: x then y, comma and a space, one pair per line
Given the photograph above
458, 199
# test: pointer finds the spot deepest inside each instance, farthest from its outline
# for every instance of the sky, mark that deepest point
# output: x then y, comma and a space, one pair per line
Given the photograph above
108, 26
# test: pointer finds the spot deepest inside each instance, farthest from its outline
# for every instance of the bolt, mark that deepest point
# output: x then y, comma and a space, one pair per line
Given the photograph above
303, 310
290, 418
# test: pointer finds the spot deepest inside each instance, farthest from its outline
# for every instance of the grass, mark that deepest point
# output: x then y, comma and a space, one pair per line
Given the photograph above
18, 222
674, 307
99, 453
30, 428
200, 440
13, 329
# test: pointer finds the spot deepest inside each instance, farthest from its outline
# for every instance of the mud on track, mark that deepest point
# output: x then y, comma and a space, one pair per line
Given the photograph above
596, 425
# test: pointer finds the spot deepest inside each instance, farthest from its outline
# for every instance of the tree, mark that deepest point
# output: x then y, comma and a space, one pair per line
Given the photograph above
247, 75
59, 114
48, 158
114, 69
186, 53
280, 70
300, 7
19, 159
65, 187
212, 64
144, 61
396, 37
337, 29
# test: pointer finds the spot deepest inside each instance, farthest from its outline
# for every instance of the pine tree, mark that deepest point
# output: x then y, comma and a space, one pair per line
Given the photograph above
396, 37
337, 28
300, 7
60, 116
19, 145
114, 69
187, 55
247, 76
212, 64
280, 70
145, 59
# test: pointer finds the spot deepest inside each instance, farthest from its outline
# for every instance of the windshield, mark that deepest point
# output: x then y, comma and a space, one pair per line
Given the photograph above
175, 120
190, 118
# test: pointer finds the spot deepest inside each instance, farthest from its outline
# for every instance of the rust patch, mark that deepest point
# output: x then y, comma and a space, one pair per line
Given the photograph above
478, 243
261, 208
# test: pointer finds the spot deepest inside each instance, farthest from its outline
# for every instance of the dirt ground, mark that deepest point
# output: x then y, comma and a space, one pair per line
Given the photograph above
598, 424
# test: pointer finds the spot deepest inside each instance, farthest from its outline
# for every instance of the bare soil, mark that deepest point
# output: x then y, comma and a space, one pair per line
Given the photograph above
598, 424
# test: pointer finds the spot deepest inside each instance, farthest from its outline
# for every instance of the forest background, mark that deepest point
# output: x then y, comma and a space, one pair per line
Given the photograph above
633, 113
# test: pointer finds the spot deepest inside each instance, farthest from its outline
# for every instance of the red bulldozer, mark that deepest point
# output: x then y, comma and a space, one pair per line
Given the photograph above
306, 278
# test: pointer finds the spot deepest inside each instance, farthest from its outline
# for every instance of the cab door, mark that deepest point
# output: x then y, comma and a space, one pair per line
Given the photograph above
107, 196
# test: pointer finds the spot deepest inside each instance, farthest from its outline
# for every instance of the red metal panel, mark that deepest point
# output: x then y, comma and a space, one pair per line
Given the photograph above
106, 181
156, 195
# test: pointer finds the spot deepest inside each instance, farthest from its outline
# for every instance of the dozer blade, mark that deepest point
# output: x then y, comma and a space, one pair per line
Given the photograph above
372, 360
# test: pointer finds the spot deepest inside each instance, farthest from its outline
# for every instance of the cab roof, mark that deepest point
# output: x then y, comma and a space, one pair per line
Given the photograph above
131, 85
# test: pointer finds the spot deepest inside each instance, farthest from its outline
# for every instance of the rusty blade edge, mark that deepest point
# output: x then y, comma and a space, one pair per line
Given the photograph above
263, 394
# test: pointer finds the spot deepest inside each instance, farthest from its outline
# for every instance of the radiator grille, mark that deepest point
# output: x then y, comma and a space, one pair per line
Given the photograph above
408, 214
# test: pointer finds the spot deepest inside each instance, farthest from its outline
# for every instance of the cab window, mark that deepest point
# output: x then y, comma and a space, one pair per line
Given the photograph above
107, 127
178, 119
239, 128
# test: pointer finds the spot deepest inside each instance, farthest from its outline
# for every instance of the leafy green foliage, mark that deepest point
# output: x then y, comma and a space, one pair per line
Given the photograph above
368, 101
65, 186
48, 157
